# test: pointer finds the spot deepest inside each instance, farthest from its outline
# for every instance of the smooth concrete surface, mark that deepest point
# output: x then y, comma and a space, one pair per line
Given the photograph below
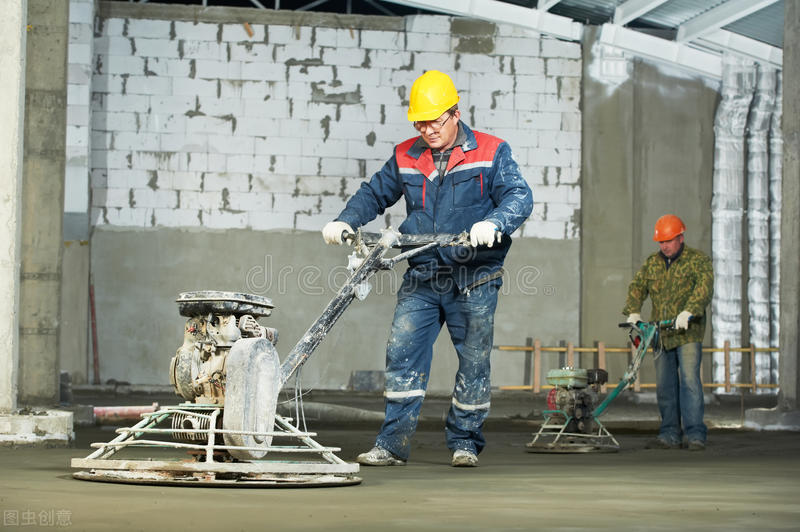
12, 112
743, 481
139, 273
43, 200
37, 427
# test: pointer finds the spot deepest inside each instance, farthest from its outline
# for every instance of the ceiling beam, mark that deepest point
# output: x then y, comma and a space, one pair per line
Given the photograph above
718, 17
633, 9
545, 5
643, 45
728, 41
501, 12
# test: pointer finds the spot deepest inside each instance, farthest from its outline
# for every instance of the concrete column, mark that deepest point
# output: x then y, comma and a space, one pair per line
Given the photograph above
43, 200
790, 213
12, 112
787, 413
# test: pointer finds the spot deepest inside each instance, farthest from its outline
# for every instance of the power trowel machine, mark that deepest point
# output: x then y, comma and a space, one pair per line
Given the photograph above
571, 420
230, 376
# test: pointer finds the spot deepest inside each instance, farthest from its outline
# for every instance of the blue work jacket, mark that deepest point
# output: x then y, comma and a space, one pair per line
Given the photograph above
482, 182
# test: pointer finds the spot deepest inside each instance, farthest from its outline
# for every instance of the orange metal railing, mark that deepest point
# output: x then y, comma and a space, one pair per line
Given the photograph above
535, 347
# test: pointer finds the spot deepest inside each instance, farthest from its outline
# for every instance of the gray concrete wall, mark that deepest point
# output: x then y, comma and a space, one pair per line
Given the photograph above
648, 145
74, 353
12, 112
138, 274
43, 199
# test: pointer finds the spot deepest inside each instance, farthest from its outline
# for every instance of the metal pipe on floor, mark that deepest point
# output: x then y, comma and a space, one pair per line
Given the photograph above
111, 415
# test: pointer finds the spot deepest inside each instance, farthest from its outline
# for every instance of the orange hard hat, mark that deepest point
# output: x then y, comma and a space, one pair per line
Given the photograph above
668, 227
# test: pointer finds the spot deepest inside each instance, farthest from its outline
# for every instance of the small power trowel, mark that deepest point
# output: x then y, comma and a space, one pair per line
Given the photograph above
571, 421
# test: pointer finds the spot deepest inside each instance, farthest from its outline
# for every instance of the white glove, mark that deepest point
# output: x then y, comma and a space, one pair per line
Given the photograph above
332, 232
634, 318
682, 321
484, 233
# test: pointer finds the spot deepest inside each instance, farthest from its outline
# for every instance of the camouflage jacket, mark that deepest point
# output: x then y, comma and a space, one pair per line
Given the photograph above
687, 285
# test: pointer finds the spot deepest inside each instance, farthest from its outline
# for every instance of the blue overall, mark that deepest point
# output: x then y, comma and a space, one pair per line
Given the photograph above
482, 182
422, 308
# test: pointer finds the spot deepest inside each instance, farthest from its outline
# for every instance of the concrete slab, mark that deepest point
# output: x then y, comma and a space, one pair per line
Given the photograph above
743, 481
37, 426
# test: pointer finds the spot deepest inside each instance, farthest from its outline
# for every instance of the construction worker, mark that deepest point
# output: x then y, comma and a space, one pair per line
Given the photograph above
453, 179
680, 282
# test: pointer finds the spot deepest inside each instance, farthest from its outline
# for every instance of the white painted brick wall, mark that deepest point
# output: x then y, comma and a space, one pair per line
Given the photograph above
238, 33
428, 42
79, 134
200, 200
216, 219
352, 57
428, 24
383, 40
563, 67
216, 181
159, 48
147, 197
205, 126
197, 31
560, 49
248, 52
113, 45
148, 85
109, 64
176, 218
155, 29
79, 53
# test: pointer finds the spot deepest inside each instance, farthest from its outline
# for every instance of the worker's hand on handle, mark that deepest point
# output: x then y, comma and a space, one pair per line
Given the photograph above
333, 231
682, 321
484, 233
634, 318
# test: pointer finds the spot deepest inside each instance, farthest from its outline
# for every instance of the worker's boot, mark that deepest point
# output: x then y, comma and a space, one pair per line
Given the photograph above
697, 445
378, 456
661, 443
462, 458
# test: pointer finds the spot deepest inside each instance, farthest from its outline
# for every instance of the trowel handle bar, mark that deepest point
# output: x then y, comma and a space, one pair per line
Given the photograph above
442, 239
666, 324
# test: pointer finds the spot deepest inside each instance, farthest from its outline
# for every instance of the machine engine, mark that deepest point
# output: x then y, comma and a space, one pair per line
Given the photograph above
216, 321
574, 397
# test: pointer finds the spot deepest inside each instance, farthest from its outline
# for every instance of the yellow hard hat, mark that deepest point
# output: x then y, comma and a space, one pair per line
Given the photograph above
432, 94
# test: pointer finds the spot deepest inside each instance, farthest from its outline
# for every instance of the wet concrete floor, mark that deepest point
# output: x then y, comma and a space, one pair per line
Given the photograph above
743, 481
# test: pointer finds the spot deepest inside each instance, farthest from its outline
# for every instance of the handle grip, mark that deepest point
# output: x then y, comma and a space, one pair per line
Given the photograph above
412, 240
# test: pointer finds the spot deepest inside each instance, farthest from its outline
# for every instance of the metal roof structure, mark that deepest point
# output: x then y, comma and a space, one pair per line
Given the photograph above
690, 33
693, 34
